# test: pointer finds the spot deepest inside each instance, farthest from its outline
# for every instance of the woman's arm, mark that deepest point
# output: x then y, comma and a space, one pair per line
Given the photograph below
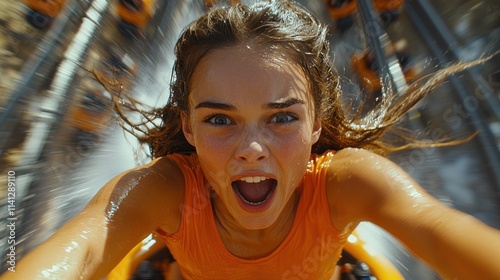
122, 213
372, 188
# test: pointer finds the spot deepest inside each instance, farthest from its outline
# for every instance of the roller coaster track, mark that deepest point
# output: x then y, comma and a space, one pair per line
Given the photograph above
33, 75
44, 58
446, 50
53, 106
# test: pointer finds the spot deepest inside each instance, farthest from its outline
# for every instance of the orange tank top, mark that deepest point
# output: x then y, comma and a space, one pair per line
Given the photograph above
310, 251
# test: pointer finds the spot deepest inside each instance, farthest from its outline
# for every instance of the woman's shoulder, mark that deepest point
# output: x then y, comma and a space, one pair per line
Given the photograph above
163, 178
364, 170
362, 178
162, 172
348, 163
348, 160
355, 154
358, 161
151, 192
167, 166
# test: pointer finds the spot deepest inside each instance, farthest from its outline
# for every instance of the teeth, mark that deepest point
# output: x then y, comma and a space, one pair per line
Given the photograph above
253, 179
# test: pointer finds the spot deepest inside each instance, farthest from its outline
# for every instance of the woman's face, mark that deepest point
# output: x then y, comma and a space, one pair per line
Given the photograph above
251, 119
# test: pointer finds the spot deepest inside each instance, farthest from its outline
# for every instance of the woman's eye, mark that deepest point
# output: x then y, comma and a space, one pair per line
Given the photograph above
284, 118
219, 120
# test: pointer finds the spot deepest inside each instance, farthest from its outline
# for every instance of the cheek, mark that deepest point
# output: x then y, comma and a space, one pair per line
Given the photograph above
296, 142
293, 156
295, 151
205, 142
210, 152
214, 158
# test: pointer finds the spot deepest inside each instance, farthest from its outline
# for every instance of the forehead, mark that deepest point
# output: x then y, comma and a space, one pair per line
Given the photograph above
244, 69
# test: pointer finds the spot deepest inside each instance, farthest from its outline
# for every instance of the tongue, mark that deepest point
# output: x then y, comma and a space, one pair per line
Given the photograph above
254, 192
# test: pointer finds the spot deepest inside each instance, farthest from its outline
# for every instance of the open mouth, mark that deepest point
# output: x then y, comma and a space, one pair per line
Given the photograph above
255, 190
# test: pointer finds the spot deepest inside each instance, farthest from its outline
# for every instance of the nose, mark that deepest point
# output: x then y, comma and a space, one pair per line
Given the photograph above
252, 148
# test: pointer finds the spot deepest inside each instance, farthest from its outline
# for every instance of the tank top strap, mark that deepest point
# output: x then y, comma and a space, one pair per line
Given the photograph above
314, 186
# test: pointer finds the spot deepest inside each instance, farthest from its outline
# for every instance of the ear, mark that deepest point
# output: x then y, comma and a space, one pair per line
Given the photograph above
186, 129
316, 133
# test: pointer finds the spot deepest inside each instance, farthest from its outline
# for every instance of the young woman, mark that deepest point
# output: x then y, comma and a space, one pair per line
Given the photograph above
257, 167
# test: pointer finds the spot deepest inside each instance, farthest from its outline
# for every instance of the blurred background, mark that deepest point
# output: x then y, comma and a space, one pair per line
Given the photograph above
60, 141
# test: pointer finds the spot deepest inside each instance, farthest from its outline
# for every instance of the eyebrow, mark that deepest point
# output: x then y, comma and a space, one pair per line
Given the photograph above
285, 104
215, 105
271, 105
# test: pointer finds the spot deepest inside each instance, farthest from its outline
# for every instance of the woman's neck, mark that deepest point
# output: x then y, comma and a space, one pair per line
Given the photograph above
252, 244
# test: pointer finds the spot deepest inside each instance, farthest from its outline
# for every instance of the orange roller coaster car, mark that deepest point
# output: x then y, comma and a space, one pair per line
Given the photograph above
92, 113
134, 15
41, 13
369, 79
389, 10
388, 5
342, 12
150, 259
341, 8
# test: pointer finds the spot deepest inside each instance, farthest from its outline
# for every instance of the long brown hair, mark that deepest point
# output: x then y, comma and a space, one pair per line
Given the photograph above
304, 39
